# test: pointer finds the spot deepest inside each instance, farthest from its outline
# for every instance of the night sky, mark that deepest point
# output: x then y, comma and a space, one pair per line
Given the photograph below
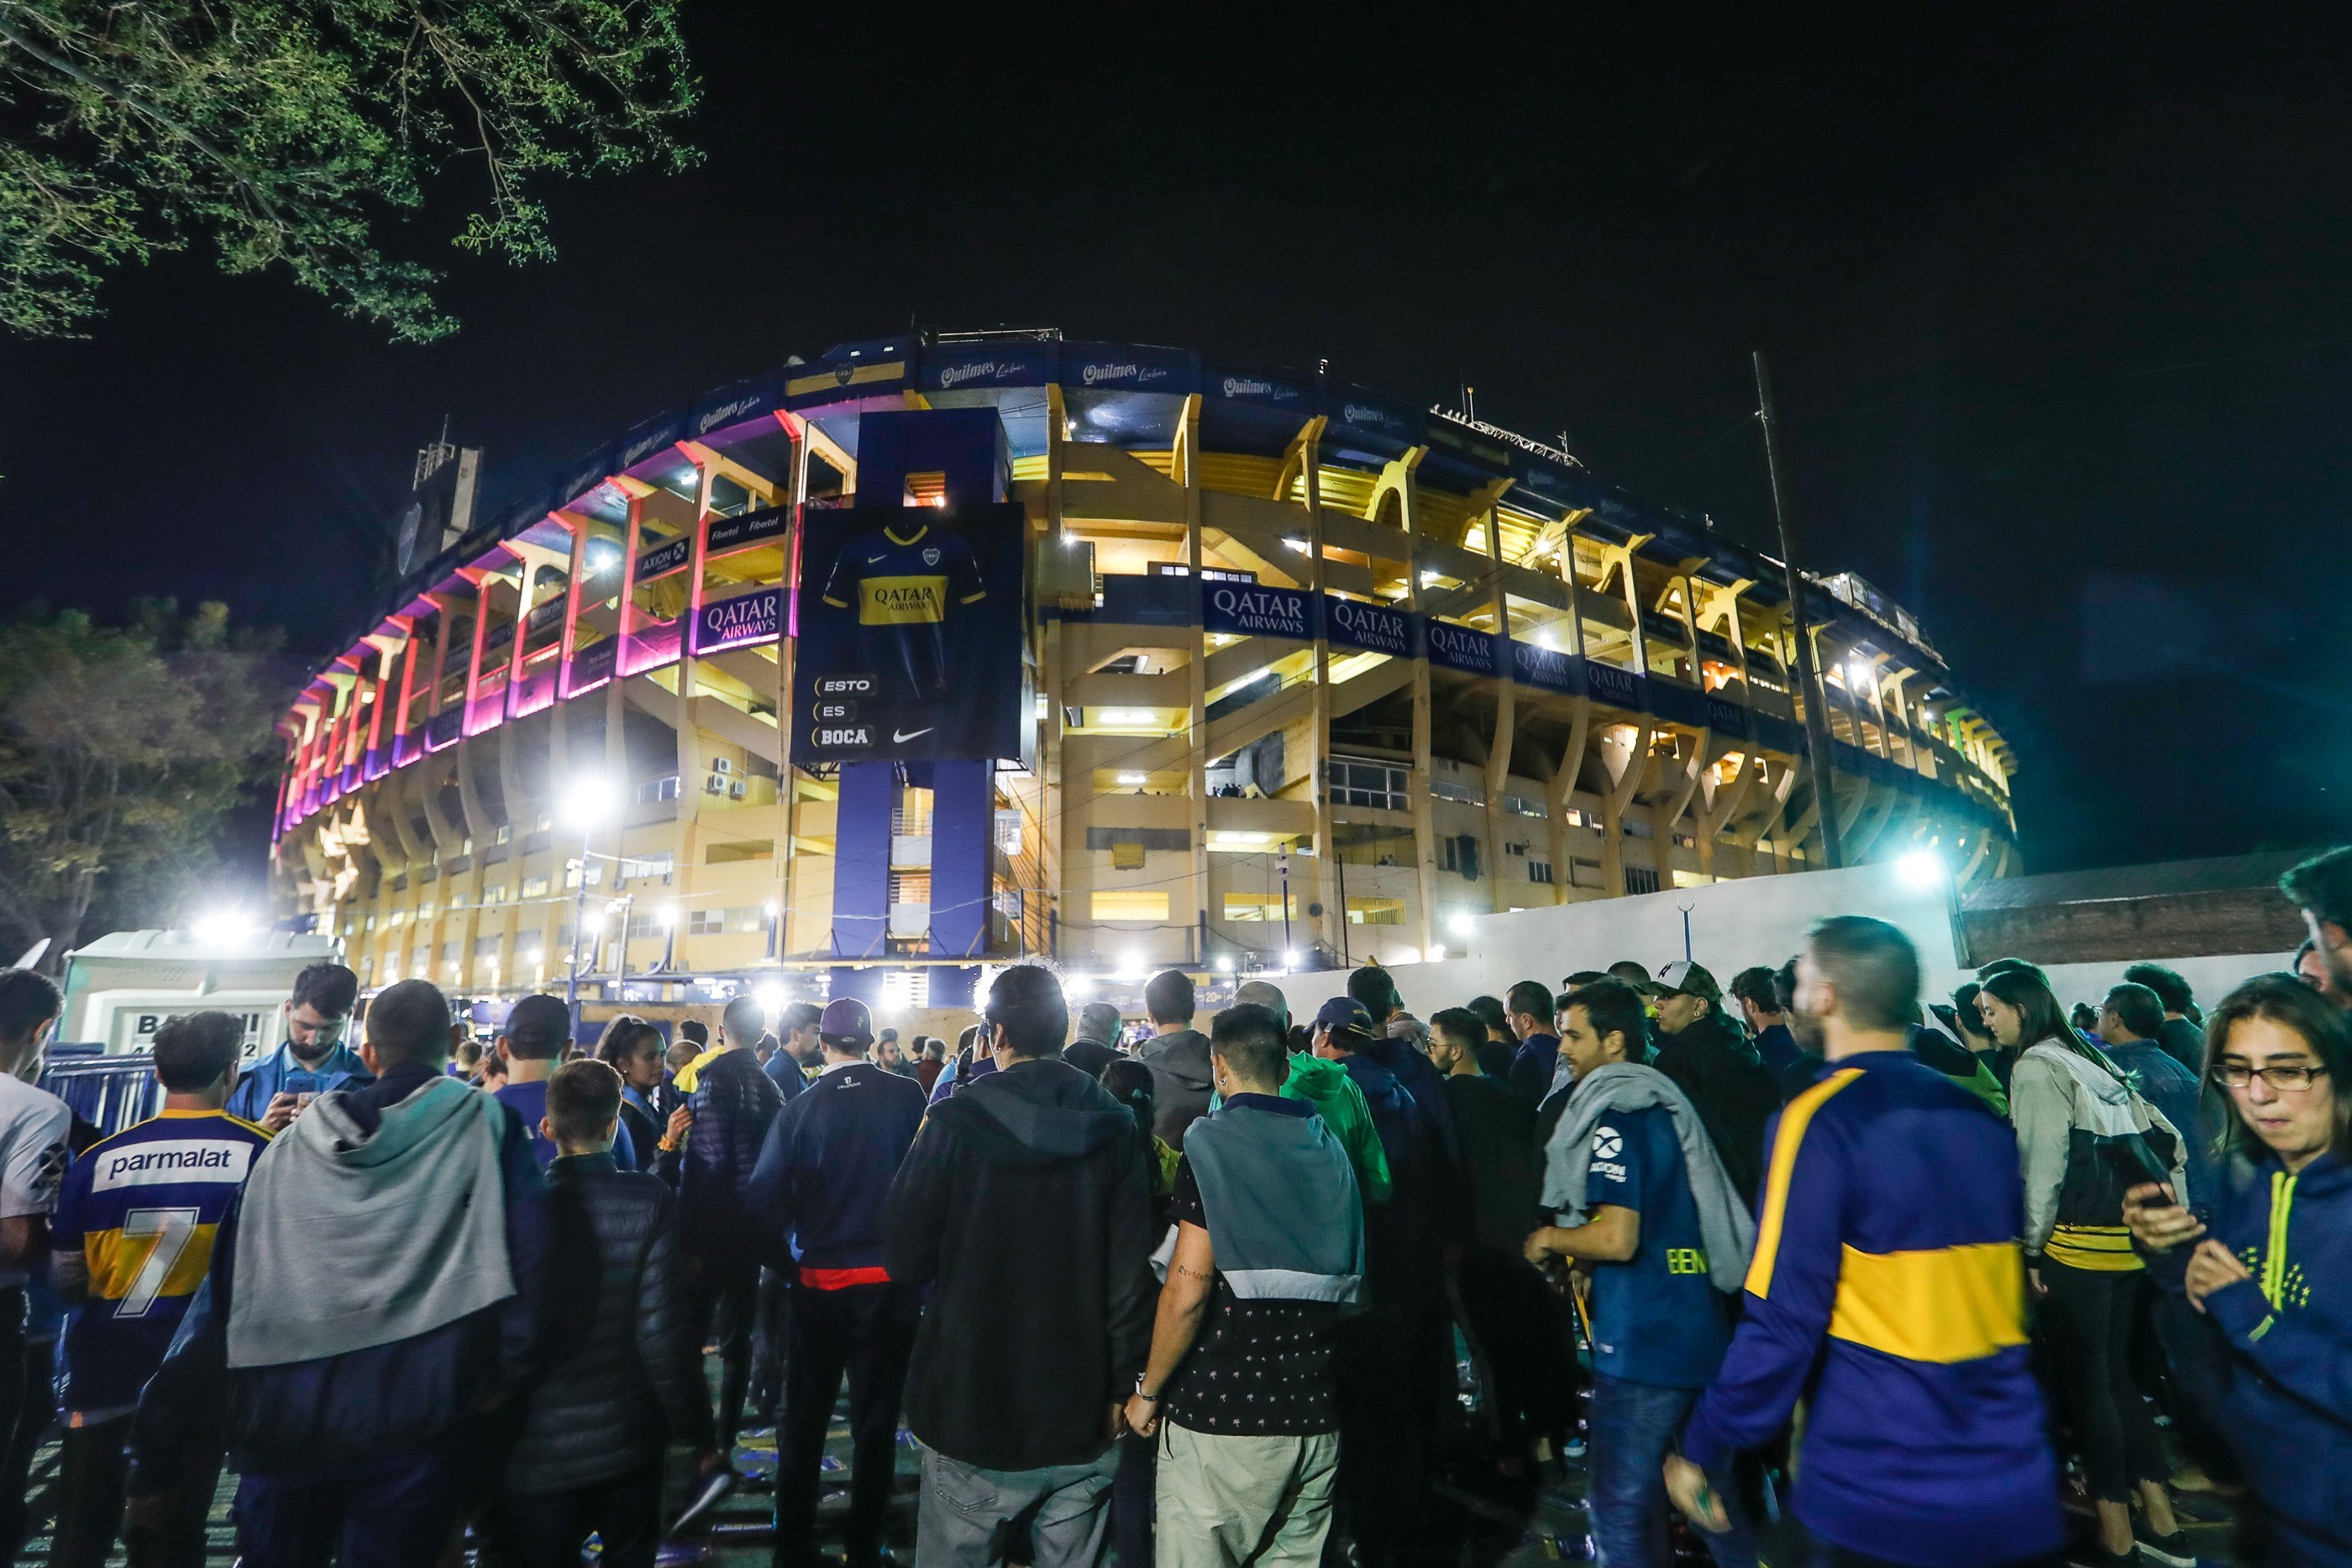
2059, 314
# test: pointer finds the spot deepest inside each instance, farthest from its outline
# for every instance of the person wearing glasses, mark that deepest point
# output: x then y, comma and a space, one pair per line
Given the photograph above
2271, 1270
314, 1058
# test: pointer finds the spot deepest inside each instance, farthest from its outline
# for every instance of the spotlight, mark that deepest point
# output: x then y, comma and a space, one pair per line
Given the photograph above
1921, 868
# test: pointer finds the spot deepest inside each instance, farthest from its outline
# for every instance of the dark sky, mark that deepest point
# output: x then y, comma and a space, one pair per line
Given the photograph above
2059, 312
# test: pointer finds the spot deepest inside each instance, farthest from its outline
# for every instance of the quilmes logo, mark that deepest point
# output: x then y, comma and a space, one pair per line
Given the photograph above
1247, 386
1263, 610
1141, 375
956, 375
635, 451
1359, 414
728, 413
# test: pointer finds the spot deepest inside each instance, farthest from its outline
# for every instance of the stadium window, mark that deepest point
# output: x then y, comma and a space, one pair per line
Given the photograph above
534, 887
1540, 870
1129, 905
657, 789
1641, 879
1258, 906
1376, 911
705, 922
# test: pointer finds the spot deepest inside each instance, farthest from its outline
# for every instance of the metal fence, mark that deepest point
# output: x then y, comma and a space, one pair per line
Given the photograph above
109, 1091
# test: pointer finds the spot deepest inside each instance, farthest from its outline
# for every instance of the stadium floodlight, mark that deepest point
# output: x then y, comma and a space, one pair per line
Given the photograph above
223, 927
1921, 868
1295, 542
772, 1001
587, 801
1460, 924
1290, 959
1224, 964
669, 916
1078, 985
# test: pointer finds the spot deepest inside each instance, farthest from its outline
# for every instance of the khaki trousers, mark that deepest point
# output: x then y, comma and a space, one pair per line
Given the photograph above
1224, 1502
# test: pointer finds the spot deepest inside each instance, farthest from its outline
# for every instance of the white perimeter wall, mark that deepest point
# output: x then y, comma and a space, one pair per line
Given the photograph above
1733, 925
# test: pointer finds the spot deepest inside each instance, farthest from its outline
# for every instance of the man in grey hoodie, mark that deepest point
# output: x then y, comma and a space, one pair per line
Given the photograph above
1178, 1056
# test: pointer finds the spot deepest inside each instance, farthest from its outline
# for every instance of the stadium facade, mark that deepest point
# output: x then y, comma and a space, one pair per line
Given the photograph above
1155, 659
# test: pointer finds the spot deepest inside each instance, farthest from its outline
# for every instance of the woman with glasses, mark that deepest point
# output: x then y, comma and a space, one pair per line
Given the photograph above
2083, 1137
2272, 1273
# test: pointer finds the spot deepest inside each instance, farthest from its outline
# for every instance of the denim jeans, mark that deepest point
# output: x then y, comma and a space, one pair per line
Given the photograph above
1057, 1517
1634, 1427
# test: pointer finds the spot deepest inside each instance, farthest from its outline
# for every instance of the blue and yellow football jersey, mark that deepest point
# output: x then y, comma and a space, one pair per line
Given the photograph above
903, 587
143, 1207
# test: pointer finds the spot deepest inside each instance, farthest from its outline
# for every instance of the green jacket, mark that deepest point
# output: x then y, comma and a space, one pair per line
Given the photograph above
1327, 1086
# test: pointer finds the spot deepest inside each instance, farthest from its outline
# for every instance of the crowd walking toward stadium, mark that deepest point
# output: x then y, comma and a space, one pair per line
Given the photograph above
1811, 1267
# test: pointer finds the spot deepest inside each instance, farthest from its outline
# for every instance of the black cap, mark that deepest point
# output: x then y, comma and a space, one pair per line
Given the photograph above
539, 1020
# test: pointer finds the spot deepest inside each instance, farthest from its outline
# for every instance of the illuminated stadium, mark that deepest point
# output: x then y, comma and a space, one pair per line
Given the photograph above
947, 649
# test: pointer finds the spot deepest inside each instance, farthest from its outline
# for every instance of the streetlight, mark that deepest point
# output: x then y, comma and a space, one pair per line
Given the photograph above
588, 801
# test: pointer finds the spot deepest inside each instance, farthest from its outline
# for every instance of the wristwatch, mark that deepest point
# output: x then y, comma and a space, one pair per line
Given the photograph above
1140, 1394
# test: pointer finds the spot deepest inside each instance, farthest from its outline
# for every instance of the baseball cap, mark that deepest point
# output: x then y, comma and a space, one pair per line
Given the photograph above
538, 1020
1682, 978
1344, 1012
847, 1025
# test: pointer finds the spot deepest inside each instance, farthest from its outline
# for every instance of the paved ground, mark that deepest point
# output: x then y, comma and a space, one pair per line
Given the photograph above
1477, 1520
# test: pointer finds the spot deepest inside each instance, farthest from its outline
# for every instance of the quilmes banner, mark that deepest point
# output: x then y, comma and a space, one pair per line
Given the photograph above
910, 621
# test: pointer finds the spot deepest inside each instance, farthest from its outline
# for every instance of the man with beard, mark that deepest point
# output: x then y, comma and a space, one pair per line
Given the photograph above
314, 1058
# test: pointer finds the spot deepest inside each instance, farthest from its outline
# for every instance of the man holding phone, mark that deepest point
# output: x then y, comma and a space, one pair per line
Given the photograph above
314, 1058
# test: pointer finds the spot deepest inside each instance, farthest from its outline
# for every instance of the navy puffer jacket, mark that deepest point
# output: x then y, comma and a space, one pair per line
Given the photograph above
734, 1105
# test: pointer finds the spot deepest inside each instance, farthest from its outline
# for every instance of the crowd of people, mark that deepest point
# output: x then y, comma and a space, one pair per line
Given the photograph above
1930, 1268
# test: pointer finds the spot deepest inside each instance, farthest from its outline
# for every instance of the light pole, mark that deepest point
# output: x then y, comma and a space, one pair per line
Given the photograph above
588, 800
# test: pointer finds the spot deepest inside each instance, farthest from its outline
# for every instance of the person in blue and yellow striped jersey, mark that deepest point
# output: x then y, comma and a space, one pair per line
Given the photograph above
133, 1239
1888, 1256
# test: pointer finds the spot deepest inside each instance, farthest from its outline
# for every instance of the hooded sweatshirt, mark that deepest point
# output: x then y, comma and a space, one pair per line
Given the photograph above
2288, 1408
1025, 1205
1327, 1086
1181, 1082
2080, 1132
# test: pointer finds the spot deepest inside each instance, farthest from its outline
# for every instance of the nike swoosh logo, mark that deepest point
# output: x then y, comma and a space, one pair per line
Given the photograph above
899, 736
874, 560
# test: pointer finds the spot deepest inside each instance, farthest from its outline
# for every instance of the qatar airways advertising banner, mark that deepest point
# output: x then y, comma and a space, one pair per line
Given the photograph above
744, 621
911, 642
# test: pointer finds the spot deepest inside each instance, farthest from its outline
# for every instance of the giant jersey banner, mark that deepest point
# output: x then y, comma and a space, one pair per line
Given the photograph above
909, 627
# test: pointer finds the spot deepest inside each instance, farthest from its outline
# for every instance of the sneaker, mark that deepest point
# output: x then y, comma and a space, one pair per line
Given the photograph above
2095, 1555
2172, 1551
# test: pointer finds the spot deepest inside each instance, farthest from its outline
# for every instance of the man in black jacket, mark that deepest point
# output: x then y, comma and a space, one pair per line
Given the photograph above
1712, 1062
1178, 1055
617, 1375
1025, 1205
823, 1175
733, 1103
